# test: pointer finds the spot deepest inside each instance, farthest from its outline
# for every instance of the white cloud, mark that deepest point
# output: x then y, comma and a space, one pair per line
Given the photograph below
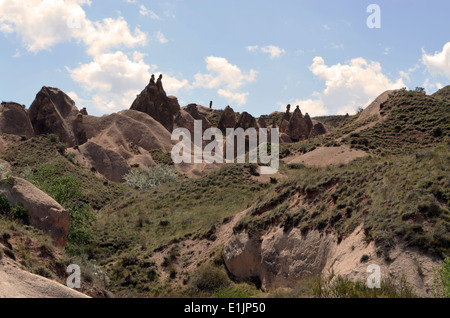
314, 107
252, 48
439, 63
160, 37
113, 78
149, 13
239, 98
42, 24
326, 27
225, 77
101, 37
272, 50
348, 86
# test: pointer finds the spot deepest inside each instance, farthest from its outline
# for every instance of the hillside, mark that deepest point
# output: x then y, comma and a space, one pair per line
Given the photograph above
373, 189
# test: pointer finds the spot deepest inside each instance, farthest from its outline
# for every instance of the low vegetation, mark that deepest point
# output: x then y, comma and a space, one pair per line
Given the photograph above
404, 197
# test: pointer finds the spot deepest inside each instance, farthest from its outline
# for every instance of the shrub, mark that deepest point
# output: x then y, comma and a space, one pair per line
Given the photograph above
441, 285
61, 147
53, 138
209, 278
437, 132
150, 177
364, 258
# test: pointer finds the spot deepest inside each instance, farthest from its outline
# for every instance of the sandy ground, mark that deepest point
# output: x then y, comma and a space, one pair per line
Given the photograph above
17, 283
325, 156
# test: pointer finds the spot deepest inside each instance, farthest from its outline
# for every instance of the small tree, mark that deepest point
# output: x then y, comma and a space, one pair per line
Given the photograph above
420, 90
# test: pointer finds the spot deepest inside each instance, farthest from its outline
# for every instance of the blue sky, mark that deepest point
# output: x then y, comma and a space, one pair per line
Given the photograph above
253, 55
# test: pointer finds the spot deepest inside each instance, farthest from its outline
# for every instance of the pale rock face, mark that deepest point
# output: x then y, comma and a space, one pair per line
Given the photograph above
44, 212
54, 112
14, 120
283, 259
107, 162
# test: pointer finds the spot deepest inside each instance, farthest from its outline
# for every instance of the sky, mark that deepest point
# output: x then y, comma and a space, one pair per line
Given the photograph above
328, 57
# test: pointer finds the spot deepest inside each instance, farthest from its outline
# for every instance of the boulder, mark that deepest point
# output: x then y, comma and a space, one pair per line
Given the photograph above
285, 139
227, 120
44, 212
318, 129
54, 112
154, 102
14, 120
106, 161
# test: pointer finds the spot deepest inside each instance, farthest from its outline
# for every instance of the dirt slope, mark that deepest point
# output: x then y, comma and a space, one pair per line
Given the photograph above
17, 283
325, 156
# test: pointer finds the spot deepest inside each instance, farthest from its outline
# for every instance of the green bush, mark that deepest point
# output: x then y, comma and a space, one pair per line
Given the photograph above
66, 190
209, 279
150, 177
53, 138
12, 212
441, 285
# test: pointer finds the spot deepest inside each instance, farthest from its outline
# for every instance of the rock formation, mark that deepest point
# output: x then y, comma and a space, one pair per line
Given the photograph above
246, 121
184, 120
298, 128
284, 124
318, 129
262, 122
193, 111
44, 213
154, 102
106, 161
129, 133
227, 120
54, 112
14, 120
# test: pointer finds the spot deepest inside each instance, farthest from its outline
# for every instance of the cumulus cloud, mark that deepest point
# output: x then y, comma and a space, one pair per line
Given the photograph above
348, 86
108, 34
314, 107
225, 77
43, 24
114, 78
272, 50
439, 62
238, 98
